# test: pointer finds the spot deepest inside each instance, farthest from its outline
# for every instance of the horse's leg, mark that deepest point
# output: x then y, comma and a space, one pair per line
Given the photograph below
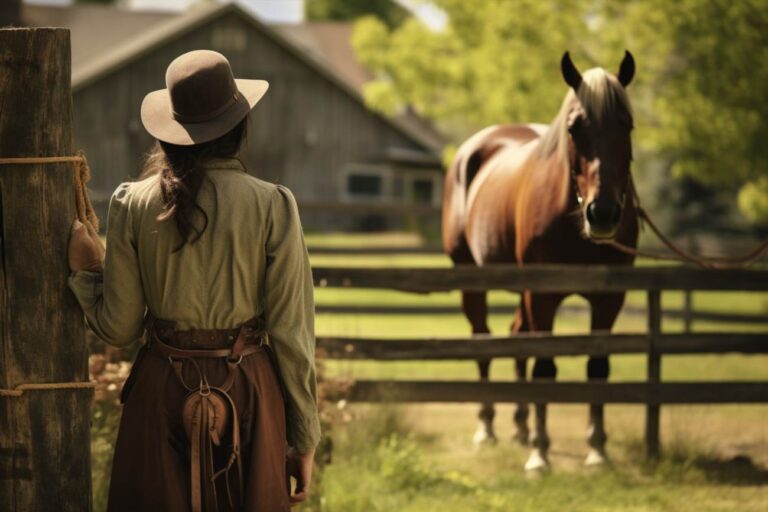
520, 416
476, 310
605, 309
542, 309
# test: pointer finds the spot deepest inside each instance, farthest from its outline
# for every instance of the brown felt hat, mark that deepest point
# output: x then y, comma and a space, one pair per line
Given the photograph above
202, 102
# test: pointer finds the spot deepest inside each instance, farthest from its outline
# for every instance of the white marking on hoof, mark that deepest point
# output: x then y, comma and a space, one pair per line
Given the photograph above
484, 435
537, 461
596, 458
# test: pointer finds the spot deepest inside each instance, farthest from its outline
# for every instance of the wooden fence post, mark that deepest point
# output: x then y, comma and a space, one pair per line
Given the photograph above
654, 373
44, 435
688, 310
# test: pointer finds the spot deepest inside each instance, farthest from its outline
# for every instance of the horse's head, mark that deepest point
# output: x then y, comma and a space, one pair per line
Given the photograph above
598, 121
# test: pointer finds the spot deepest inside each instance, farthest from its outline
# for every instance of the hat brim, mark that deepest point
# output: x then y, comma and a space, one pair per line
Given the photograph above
158, 120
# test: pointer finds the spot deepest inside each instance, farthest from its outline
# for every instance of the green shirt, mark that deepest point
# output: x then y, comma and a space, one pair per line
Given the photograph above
251, 260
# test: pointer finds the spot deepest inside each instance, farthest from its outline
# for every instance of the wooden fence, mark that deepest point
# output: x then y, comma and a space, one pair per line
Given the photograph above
655, 343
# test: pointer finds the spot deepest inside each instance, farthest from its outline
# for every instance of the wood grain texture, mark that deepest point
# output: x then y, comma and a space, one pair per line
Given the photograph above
535, 345
44, 435
542, 278
558, 392
653, 411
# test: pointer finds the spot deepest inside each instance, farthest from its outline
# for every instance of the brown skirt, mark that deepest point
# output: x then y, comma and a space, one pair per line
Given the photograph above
151, 470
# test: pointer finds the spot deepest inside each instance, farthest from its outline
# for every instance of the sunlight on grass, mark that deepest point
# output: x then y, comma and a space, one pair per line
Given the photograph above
386, 462
384, 239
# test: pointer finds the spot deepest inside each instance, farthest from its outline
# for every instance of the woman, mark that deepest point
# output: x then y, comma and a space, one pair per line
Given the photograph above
213, 263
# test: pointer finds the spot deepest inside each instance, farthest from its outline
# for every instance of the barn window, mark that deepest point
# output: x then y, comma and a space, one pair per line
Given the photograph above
423, 190
368, 185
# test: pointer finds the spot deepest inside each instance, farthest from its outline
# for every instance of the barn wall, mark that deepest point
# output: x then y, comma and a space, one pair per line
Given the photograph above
303, 133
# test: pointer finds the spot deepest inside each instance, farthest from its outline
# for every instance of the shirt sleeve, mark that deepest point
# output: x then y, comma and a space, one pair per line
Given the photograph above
113, 302
290, 317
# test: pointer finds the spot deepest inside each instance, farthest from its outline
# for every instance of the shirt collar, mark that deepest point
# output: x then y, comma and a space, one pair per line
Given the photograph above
230, 163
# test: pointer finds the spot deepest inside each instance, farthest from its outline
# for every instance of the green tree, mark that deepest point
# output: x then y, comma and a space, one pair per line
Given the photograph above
388, 11
700, 97
490, 64
708, 76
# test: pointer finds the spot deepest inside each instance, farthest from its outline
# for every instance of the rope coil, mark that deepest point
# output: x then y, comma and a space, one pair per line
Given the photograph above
85, 214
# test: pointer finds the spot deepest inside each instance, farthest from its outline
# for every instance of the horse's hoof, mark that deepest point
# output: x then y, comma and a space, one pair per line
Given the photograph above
484, 435
537, 462
484, 438
596, 458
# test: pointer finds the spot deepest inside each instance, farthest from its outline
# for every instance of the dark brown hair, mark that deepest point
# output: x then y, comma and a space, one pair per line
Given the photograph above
181, 177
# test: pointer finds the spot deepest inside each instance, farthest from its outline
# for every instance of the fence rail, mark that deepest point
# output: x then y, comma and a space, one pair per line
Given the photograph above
560, 392
541, 345
553, 279
687, 313
542, 278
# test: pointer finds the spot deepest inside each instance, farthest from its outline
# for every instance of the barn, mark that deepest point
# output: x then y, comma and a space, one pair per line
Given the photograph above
350, 168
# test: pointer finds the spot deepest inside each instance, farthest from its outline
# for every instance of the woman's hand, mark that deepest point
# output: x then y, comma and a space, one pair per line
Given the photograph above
85, 251
299, 466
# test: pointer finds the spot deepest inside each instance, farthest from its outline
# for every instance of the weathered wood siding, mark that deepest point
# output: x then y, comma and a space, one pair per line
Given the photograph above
303, 133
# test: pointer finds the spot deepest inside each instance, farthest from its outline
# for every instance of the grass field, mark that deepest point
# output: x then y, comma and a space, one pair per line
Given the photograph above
421, 458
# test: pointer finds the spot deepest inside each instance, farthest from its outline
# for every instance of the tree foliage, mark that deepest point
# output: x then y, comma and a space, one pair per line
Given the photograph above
387, 11
700, 96
480, 70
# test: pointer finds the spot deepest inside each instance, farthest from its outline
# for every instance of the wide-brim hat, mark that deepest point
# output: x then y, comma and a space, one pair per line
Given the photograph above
202, 100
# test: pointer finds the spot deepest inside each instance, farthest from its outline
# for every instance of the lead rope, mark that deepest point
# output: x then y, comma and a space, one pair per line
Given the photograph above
679, 254
85, 214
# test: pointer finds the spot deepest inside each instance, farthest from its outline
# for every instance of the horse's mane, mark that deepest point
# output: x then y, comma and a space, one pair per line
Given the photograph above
546, 181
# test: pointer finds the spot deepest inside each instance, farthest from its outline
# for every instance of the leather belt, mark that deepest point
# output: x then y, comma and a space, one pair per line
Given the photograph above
193, 338
233, 353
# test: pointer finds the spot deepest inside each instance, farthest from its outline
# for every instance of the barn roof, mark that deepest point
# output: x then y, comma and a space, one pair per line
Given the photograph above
95, 30
106, 38
329, 41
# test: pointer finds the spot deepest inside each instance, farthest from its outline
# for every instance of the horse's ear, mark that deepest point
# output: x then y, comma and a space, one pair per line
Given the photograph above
627, 69
571, 75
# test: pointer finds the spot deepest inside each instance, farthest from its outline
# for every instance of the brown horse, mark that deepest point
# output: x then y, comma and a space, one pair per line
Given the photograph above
546, 194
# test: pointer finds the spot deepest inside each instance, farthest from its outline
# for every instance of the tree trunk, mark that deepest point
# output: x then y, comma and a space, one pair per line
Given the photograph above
44, 435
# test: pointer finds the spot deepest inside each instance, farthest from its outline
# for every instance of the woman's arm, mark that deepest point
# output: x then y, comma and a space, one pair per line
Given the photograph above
113, 301
290, 316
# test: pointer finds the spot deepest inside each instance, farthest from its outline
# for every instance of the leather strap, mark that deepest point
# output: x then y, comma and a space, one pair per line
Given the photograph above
249, 338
